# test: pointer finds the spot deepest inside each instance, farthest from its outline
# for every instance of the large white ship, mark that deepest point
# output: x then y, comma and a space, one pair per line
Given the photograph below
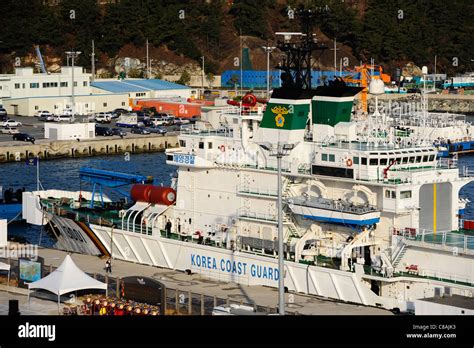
366, 219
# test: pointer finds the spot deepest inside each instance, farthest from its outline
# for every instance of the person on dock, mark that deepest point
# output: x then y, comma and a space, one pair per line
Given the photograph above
108, 266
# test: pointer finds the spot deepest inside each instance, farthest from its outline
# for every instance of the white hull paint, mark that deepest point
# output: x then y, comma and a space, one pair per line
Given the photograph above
245, 268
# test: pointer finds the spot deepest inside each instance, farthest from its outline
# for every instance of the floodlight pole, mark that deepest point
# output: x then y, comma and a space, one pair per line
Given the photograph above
73, 55
281, 266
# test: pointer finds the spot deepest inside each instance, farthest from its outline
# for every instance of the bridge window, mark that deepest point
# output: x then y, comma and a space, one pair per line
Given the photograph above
332, 158
324, 157
405, 160
374, 161
201, 144
182, 143
432, 157
412, 159
363, 161
390, 194
383, 161
425, 158
405, 194
418, 159
399, 160
356, 160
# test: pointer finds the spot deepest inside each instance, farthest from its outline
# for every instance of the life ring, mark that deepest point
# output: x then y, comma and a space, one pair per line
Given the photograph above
222, 147
349, 162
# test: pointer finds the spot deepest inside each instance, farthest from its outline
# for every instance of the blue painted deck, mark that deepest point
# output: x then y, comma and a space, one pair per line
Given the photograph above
461, 147
9, 211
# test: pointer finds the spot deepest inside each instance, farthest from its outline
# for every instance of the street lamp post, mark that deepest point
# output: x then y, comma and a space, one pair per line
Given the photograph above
202, 77
73, 55
269, 50
278, 151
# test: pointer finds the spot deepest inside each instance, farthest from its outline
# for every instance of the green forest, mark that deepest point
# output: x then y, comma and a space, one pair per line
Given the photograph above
390, 31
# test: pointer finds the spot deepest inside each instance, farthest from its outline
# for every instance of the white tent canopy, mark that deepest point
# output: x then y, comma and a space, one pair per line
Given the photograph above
4, 266
67, 278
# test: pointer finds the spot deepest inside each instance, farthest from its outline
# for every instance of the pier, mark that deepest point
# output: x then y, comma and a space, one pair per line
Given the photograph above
46, 149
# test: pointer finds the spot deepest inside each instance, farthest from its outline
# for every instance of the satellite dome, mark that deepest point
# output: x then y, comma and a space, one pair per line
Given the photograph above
376, 87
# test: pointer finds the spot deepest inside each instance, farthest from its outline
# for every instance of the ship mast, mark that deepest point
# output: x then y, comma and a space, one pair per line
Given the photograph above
297, 65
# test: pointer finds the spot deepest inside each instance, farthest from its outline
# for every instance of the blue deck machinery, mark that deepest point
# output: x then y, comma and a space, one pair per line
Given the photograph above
103, 178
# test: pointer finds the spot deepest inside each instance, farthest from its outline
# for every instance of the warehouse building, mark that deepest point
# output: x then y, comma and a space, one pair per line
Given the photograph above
144, 89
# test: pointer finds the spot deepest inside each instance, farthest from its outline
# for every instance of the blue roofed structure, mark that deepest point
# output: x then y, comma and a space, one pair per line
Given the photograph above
133, 86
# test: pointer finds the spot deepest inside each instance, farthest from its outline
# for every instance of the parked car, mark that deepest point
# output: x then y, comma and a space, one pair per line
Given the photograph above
23, 137
63, 118
105, 131
46, 117
118, 131
11, 123
9, 130
158, 121
103, 117
117, 112
3, 112
42, 112
140, 130
179, 121
157, 130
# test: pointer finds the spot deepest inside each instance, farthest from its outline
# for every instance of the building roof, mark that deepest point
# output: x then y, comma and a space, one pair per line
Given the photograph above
127, 86
454, 300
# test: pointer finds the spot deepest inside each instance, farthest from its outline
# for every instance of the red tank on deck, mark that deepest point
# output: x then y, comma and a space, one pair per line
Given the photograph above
153, 194
140, 192
162, 195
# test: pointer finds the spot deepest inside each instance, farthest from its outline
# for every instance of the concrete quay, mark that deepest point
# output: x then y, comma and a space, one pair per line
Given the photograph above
46, 149
195, 283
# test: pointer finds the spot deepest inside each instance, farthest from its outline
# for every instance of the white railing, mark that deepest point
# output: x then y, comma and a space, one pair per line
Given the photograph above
259, 191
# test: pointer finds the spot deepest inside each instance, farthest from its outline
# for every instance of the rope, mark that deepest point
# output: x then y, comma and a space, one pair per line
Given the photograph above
14, 218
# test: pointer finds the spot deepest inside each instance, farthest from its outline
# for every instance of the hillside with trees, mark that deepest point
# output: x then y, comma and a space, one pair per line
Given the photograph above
393, 32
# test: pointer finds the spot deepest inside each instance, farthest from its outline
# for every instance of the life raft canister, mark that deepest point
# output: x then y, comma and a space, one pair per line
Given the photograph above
349, 162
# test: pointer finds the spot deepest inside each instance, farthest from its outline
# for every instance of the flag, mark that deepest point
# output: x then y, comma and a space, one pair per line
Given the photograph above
32, 162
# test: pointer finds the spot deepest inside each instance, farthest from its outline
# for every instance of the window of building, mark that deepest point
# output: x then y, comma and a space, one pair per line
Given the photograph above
54, 84
17, 86
383, 161
34, 85
75, 83
374, 161
405, 194
104, 105
332, 158
84, 83
324, 157
182, 143
209, 146
56, 106
201, 144
363, 161
36, 107
356, 160
23, 86
63, 84
123, 103
390, 194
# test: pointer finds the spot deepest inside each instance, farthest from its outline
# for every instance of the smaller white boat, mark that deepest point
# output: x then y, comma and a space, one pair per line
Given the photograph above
334, 211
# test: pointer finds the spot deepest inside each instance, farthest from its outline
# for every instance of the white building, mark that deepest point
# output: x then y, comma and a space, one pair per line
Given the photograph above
26, 84
25, 92
69, 131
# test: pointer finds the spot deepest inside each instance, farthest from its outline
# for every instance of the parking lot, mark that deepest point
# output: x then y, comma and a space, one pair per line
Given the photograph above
35, 128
